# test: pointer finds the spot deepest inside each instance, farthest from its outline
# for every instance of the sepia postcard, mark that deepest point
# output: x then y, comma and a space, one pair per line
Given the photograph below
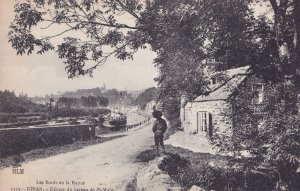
149, 95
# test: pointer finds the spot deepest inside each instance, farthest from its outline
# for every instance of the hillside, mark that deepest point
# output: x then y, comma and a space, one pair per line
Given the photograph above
147, 96
10, 103
113, 95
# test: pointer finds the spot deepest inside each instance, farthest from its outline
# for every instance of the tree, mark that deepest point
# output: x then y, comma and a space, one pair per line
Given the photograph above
67, 102
10, 103
102, 101
276, 146
176, 30
89, 101
146, 96
96, 22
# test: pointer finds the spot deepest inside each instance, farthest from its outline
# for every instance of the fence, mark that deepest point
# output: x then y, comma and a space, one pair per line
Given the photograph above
141, 122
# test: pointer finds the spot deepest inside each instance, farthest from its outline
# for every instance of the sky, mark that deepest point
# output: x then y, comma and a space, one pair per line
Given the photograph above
38, 75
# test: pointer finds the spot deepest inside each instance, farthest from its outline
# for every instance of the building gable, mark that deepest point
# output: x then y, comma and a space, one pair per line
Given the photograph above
224, 90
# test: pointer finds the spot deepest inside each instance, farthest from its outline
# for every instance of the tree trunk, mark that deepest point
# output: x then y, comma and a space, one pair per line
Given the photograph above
297, 35
288, 57
289, 65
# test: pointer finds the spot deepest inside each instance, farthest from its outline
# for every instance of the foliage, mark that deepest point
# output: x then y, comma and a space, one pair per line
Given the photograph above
79, 112
146, 96
102, 101
10, 103
90, 101
211, 172
225, 178
177, 30
264, 134
275, 143
171, 110
112, 95
67, 102
96, 21
194, 34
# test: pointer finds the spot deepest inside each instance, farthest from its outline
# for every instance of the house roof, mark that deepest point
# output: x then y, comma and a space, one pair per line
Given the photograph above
236, 76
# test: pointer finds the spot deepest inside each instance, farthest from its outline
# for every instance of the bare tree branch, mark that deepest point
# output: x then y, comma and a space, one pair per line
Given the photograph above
274, 5
95, 23
56, 35
128, 10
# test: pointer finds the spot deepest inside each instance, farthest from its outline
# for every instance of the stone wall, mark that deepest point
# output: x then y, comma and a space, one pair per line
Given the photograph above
246, 113
219, 110
18, 140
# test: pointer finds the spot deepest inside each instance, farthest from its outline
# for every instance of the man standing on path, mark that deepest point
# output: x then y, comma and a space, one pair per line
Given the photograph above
159, 128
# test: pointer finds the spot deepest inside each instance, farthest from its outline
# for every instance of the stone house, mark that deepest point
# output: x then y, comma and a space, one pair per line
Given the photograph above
215, 111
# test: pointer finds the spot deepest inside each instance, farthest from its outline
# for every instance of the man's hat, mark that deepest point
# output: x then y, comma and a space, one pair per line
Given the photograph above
156, 114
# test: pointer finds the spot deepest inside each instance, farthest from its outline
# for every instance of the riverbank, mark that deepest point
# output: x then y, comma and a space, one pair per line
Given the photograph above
52, 151
102, 135
109, 165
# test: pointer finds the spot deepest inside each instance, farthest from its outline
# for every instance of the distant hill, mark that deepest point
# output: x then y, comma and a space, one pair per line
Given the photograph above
137, 97
135, 93
113, 95
10, 103
146, 96
84, 92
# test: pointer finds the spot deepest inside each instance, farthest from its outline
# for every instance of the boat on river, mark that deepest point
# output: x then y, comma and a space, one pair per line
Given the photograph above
118, 119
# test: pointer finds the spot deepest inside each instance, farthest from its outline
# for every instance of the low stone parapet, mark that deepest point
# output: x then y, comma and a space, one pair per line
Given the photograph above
18, 140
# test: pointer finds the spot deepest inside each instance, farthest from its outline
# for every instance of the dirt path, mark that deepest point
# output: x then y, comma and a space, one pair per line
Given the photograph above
107, 165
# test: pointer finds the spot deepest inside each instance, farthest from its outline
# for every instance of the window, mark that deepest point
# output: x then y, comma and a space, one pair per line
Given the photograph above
204, 122
258, 93
187, 118
154, 107
260, 122
214, 80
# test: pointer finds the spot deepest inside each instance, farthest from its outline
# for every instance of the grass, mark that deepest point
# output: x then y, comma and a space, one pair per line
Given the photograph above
199, 158
147, 155
132, 185
52, 151
206, 170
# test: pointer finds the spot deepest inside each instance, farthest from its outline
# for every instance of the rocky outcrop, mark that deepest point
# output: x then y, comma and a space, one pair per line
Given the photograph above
151, 178
196, 188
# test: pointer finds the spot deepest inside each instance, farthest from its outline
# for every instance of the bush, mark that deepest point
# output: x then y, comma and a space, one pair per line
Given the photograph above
219, 176
228, 178
68, 112
79, 112
101, 119
8, 119
45, 116
173, 164
175, 123
12, 119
